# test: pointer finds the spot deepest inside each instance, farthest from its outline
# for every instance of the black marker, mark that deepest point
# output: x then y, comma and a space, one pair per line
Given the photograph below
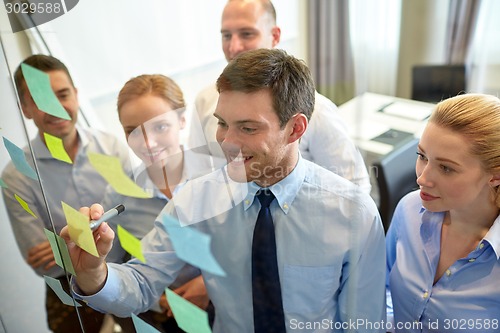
94, 224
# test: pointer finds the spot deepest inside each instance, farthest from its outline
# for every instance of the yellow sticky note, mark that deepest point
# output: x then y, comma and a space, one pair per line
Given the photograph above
110, 168
56, 148
79, 229
24, 204
130, 243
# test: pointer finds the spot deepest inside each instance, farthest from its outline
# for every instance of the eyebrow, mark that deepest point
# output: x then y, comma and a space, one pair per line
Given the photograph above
440, 159
62, 91
239, 122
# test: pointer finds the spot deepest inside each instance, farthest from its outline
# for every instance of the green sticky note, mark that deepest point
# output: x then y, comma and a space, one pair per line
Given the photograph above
56, 286
2, 183
56, 148
141, 326
54, 241
189, 317
24, 204
130, 243
109, 167
38, 84
79, 229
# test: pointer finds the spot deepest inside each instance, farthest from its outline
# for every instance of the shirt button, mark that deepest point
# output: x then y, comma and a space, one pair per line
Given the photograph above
448, 272
481, 245
285, 206
425, 295
472, 259
247, 202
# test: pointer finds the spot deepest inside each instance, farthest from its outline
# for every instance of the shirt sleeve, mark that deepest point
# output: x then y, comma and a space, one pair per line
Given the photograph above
135, 287
28, 229
327, 143
390, 246
362, 292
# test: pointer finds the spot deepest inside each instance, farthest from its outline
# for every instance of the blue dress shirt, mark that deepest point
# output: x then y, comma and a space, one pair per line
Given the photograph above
465, 298
330, 248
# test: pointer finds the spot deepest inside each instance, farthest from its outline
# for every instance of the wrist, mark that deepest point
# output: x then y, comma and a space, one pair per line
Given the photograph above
92, 281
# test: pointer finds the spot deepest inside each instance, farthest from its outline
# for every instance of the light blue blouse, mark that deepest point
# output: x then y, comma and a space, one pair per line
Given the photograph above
465, 298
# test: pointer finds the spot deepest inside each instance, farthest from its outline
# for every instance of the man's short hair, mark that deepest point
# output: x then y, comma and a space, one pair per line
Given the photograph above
288, 79
41, 62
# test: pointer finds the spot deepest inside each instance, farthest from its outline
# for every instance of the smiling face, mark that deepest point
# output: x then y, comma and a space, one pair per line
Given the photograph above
450, 177
66, 93
247, 26
152, 128
249, 133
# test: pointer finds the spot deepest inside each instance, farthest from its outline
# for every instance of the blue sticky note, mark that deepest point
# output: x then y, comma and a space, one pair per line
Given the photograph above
38, 83
192, 246
56, 286
141, 326
19, 159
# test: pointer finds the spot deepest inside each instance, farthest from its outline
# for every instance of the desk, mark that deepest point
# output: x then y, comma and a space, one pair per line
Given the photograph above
377, 123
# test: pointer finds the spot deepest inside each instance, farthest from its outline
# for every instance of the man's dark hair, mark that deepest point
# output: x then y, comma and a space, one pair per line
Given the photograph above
288, 79
41, 62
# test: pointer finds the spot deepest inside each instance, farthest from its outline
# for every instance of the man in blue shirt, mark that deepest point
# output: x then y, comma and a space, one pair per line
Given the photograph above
329, 238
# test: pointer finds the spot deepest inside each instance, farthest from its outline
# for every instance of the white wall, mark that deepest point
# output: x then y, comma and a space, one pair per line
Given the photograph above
22, 292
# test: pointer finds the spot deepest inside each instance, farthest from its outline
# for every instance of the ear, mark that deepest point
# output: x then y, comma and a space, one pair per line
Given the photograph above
298, 125
182, 122
495, 180
276, 33
25, 108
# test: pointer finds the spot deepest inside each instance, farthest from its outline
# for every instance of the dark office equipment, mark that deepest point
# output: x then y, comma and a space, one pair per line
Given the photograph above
433, 83
395, 177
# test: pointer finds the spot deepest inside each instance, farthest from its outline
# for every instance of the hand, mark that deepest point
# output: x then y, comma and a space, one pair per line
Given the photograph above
41, 255
193, 291
91, 271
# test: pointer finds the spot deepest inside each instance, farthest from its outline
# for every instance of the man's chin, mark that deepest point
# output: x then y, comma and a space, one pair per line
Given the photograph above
237, 172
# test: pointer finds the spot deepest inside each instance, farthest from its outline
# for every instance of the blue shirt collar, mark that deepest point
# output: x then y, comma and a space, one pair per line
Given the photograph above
493, 237
285, 190
430, 218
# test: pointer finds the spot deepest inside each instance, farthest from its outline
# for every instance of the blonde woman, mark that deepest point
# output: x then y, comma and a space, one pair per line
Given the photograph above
443, 244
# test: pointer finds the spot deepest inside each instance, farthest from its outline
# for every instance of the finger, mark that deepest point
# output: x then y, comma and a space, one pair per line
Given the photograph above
42, 256
51, 264
65, 234
96, 211
38, 261
104, 236
85, 211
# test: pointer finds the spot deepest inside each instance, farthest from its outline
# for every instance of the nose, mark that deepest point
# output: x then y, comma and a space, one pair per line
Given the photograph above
236, 46
424, 176
149, 139
228, 141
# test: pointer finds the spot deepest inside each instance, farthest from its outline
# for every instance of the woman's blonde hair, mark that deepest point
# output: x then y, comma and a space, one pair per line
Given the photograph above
477, 117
